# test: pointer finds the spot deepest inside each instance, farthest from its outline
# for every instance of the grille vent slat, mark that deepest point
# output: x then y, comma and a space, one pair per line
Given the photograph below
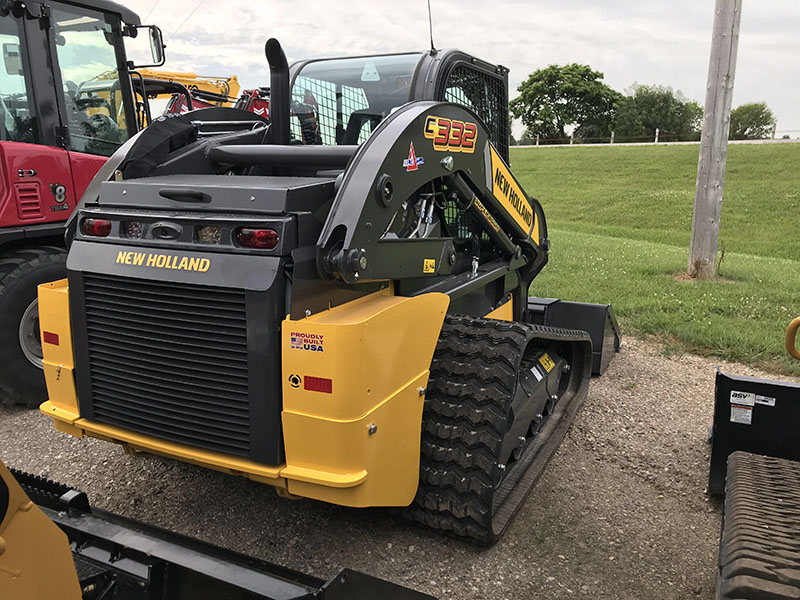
29, 201
169, 360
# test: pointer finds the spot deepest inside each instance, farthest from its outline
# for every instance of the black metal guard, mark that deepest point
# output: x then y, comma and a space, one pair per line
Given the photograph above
755, 415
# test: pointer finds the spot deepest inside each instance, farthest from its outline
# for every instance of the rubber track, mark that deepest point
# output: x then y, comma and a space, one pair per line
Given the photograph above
759, 555
466, 414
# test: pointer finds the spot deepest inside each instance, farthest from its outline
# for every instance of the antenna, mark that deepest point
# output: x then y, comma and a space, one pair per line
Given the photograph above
430, 22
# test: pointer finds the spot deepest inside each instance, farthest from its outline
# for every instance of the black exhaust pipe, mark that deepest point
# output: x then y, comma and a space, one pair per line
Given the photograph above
279, 92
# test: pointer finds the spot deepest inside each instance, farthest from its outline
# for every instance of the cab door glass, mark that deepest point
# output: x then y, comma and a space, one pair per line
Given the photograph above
16, 119
92, 85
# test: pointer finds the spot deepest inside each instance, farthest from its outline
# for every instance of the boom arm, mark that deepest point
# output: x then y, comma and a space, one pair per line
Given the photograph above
433, 158
224, 88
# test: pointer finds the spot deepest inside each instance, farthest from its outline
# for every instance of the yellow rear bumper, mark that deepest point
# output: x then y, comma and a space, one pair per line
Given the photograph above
355, 443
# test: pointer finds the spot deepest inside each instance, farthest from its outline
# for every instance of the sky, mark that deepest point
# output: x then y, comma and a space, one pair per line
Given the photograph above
665, 42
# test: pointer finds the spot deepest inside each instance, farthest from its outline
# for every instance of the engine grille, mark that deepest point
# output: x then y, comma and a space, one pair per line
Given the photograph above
169, 360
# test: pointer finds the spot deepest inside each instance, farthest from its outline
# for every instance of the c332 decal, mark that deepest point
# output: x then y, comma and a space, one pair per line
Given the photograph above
449, 135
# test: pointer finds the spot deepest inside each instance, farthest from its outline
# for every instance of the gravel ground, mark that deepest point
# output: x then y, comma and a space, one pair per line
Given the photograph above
620, 512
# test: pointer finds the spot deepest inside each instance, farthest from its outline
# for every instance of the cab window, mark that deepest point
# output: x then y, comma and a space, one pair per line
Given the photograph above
92, 87
341, 101
16, 118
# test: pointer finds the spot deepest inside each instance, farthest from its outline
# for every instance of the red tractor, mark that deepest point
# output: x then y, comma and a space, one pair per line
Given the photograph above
67, 102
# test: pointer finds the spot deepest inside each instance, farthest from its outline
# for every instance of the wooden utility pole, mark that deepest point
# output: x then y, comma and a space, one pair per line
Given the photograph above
714, 139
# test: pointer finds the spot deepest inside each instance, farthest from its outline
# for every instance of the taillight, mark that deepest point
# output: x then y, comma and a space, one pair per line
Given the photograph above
96, 227
133, 229
257, 238
209, 234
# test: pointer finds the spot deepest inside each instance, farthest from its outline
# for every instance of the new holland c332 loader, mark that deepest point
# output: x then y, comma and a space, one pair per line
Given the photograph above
335, 304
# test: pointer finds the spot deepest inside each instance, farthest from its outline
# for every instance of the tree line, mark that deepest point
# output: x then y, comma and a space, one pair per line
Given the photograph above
573, 98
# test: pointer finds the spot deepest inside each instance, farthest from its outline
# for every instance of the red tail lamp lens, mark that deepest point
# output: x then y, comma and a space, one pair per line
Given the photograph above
96, 227
265, 239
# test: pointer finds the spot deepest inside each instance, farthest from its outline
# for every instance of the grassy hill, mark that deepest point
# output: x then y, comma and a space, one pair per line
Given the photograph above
620, 220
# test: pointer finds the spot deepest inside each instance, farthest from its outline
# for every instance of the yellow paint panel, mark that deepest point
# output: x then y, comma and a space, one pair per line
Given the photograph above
504, 312
359, 468
58, 360
35, 557
511, 197
144, 443
376, 352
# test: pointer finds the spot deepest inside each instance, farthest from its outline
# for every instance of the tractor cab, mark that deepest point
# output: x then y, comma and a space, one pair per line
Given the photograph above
340, 101
65, 76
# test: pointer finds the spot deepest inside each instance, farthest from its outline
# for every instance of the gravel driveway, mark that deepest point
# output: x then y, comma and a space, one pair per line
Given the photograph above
620, 512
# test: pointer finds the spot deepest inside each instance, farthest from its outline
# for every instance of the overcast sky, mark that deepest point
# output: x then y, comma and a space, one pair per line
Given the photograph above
663, 42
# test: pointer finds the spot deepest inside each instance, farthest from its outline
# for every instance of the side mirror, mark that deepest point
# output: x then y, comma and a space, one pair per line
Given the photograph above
156, 46
12, 59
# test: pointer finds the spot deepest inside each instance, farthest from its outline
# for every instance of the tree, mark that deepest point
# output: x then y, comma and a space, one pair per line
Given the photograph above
752, 121
647, 108
527, 139
556, 98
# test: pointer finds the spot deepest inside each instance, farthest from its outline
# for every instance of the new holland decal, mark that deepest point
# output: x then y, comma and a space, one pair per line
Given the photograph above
507, 191
162, 261
413, 162
450, 135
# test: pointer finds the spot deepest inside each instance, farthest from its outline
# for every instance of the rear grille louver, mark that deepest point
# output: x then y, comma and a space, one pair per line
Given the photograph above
169, 360
29, 201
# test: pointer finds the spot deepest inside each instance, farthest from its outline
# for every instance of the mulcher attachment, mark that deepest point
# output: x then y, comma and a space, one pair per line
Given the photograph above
500, 399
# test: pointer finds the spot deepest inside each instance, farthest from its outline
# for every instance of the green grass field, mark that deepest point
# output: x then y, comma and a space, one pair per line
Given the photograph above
620, 221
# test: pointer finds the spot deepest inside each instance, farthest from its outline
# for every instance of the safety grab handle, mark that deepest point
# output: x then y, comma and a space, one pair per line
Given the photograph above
791, 338
183, 195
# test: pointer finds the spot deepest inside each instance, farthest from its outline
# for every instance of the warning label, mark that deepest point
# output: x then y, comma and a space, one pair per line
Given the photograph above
741, 414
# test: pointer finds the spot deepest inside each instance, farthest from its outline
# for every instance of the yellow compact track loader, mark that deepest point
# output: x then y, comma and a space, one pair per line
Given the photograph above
336, 303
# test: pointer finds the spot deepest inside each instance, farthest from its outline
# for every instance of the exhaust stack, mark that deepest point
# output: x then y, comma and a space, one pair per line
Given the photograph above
279, 92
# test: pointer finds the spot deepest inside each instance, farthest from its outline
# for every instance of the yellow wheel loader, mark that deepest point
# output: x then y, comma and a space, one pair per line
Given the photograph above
336, 303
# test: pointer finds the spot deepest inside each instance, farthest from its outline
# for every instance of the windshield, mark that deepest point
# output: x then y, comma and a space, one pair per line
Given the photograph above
16, 122
92, 88
341, 101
